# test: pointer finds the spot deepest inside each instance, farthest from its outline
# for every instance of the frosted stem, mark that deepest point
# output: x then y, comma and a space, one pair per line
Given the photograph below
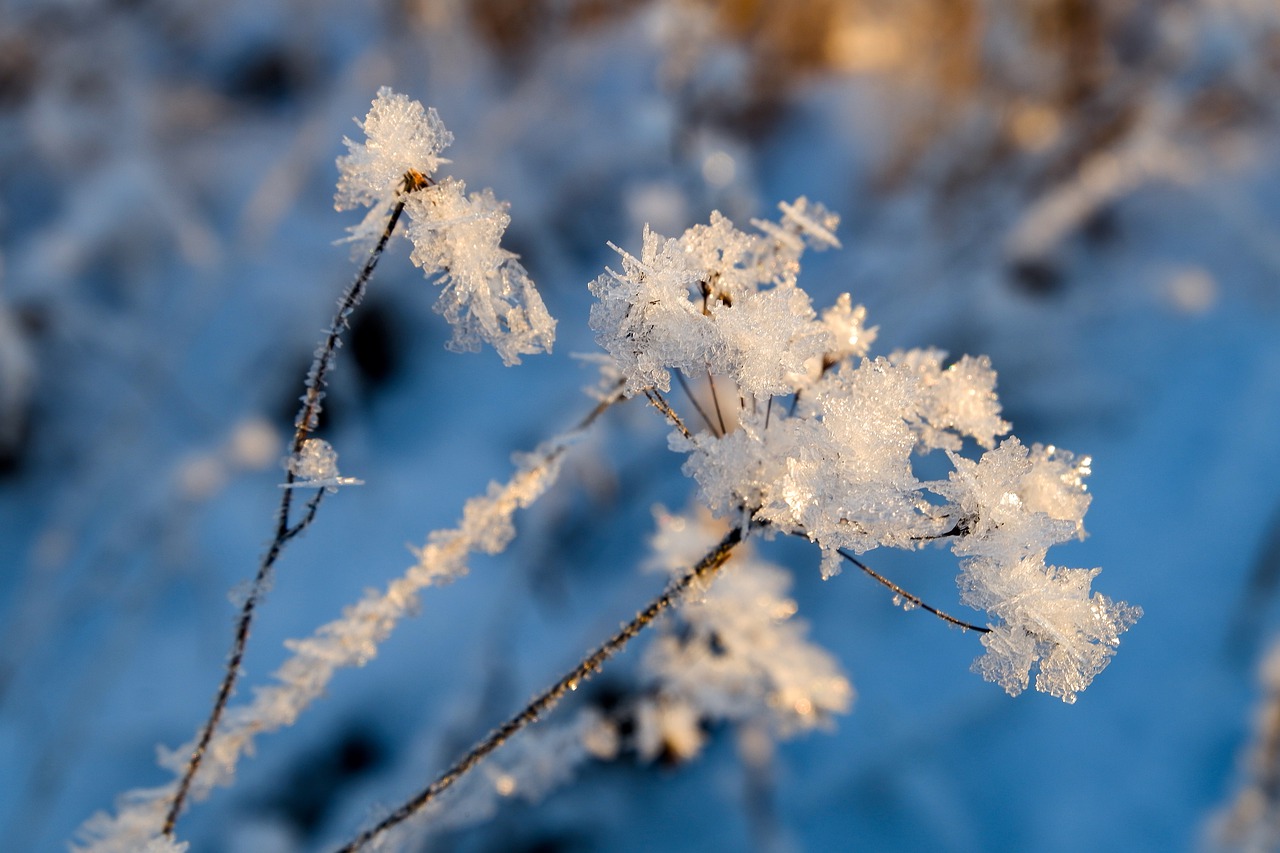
308, 418
914, 599
694, 400
660, 403
705, 570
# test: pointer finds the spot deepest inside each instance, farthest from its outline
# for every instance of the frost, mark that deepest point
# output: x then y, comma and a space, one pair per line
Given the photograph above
486, 295
737, 653
958, 401
802, 222
1012, 504
315, 466
716, 300
837, 464
400, 137
847, 325
1047, 615
348, 641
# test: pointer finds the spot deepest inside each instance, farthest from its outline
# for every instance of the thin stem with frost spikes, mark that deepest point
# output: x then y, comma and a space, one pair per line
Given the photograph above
308, 417
705, 570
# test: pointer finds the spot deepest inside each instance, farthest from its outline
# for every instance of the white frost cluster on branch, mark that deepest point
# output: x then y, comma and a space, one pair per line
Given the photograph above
315, 466
487, 295
836, 459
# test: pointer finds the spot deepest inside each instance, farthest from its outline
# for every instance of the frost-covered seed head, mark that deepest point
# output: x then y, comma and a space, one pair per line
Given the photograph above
400, 138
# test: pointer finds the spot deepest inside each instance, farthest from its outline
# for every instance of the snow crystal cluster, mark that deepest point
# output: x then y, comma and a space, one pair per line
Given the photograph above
315, 466
835, 459
487, 295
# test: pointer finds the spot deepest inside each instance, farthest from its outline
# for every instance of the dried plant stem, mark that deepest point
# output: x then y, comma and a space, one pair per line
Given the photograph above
715, 399
703, 571
660, 403
914, 599
304, 425
684, 384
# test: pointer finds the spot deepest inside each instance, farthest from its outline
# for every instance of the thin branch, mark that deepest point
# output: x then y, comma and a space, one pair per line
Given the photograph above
306, 422
660, 403
684, 384
308, 516
715, 398
614, 396
704, 571
914, 599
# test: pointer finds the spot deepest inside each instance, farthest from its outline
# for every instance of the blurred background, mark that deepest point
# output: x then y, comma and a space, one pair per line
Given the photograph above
1087, 191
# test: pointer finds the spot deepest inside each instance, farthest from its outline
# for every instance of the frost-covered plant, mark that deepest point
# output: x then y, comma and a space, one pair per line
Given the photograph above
823, 443
1250, 821
487, 296
817, 440
836, 462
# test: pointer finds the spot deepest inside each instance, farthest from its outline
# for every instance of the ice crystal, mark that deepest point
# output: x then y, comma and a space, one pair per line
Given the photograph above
400, 137
837, 464
717, 299
315, 466
486, 295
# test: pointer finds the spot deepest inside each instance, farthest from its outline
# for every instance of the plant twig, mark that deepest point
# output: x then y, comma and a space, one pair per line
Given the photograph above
694, 400
306, 422
914, 599
705, 569
715, 399
660, 403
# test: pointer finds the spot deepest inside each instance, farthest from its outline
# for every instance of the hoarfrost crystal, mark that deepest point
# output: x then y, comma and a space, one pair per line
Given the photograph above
837, 463
486, 295
315, 466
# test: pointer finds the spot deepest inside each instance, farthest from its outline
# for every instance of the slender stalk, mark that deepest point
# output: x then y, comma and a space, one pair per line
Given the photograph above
914, 599
306, 422
660, 403
705, 570
694, 400
715, 399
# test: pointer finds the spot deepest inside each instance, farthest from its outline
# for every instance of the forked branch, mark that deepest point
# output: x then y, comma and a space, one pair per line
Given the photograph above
306, 422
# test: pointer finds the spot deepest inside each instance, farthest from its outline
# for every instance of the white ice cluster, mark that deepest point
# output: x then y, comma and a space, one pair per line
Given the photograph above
735, 653
315, 466
835, 460
716, 298
487, 295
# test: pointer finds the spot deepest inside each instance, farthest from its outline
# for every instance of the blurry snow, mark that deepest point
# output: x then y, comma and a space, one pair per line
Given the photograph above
166, 232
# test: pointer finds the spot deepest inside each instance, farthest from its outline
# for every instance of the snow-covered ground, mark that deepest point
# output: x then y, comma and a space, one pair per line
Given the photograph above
1095, 206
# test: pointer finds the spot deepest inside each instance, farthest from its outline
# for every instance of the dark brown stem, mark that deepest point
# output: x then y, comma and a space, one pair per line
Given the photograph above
660, 403
694, 400
705, 570
914, 599
304, 425
715, 399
